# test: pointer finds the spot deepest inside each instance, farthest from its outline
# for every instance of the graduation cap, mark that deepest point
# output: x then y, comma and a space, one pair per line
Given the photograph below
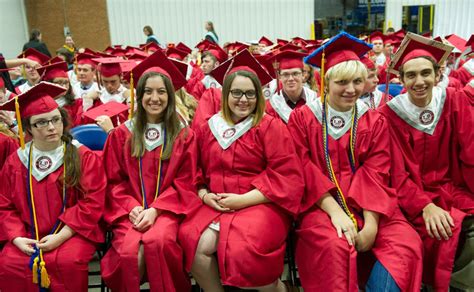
415, 46
264, 60
184, 48
53, 60
138, 55
176, 53
400, 33
341, 48
427, 34
288, 47
109, 67
377, 36
128, 65
110, 109
369, 64
243, 61
89, 51
203, 45
54, 70
288, 60
182, 67
265, 41
299, 41
131, 50
217, 52
282, 42
34, 55
36, 101
118, 52
86, 59
151, 47
457, 42
108, 50
159, 63
470, 41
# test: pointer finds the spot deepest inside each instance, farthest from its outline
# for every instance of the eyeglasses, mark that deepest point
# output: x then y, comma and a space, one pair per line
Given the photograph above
249, 94
287, 75
44, 123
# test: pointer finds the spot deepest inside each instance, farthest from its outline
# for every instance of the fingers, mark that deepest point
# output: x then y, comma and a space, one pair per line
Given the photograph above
349, 237
447, 228
339, 231
428, 228
449, 218
139, 218
434, 229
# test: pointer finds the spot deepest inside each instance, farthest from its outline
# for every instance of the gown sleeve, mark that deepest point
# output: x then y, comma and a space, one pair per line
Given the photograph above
282, 181
317, 184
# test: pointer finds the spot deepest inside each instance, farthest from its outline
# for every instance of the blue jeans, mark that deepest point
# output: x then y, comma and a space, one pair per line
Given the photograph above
380, 280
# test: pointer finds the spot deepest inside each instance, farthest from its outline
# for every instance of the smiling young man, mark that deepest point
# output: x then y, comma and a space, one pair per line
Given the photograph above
433, 162
293, 93
85, 71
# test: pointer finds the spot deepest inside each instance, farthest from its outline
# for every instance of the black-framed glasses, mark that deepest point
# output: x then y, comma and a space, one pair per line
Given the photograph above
249, 94
287, 75
44, 123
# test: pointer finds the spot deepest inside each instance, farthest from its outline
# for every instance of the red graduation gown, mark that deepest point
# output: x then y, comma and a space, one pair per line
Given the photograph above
325, 261
8, 145
163, 256
436, 168
67, 265
74, 112
251, 244
209, 105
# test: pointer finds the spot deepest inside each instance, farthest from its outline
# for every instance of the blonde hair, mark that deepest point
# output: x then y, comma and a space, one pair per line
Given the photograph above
186, 104
346, 70
260, 106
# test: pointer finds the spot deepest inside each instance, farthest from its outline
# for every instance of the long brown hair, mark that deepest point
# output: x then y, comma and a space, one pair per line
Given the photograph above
71, 158
170, 119
260, 106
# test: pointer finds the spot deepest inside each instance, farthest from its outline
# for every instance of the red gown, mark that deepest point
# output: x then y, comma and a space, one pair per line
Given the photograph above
67, 265
74, 112
464, 73
163, 256
438, 168
325, 261
209, 105
251, 245
8, 145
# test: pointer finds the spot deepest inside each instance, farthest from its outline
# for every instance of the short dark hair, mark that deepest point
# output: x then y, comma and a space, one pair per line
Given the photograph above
209, 54
35, 33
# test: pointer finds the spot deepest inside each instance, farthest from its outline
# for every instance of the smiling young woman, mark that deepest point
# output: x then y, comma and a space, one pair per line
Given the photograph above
51, 200
150, 164
250, 187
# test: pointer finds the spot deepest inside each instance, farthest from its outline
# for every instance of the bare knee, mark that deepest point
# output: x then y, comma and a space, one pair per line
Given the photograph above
208, 242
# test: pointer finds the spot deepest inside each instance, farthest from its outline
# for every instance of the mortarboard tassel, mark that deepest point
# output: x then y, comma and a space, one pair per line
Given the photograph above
20, 125
34, 270
323, 60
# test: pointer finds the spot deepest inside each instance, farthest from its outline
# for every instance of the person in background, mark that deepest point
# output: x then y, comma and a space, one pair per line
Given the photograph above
150, 37
69, 44
36, 43
211, 34
32, 75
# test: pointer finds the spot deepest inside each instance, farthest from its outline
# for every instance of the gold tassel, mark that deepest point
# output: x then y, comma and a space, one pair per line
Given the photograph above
44, 276
323, 60
20, 125
35, 271
132, 97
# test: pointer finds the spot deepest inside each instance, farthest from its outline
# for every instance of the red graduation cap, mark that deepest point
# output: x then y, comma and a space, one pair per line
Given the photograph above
470, 41
342, 47
299, 41
176, 53
158, 62
140, 56
110, 109
151, 47
184, 48
265, 41
118, 52
427, 34
282, 42
109, 67
34, 55
377, 36
456, 41
264, 60
400, 33
54, 70
128, 66
131, 50
218, 52
84, 58
53, 60
288, 60
242, 61
369, 64
203, 45
89, 51
182, 67
108, 50
415, 46
289, 47
36, 101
